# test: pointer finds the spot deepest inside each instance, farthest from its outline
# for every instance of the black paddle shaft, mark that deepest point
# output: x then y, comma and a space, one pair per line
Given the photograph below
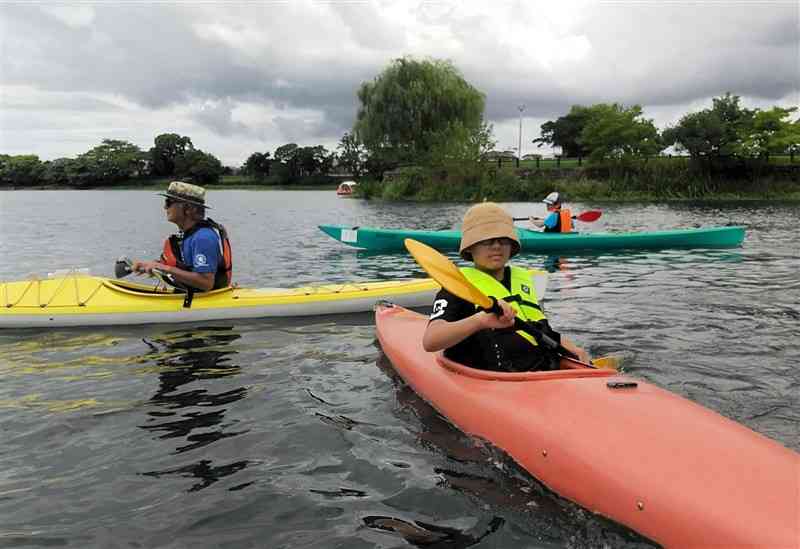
529, 327
527, 218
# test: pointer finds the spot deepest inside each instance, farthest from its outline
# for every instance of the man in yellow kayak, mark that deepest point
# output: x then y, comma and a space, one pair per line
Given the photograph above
199, 257
484, 340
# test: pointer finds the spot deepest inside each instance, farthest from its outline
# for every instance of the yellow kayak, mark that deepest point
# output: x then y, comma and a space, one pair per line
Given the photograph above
78, 299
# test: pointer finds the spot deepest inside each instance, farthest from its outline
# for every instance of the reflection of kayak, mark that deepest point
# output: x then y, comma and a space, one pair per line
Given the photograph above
82, 300
669, 469
391, 240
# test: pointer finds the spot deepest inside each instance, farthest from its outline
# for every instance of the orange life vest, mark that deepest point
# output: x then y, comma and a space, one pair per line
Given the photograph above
564, 224
173, 256
565, 221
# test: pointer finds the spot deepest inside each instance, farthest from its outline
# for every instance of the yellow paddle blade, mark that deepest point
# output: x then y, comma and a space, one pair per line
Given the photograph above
609, 362
443, 271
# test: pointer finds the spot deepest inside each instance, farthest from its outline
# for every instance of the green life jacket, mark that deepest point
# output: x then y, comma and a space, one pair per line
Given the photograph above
522, 296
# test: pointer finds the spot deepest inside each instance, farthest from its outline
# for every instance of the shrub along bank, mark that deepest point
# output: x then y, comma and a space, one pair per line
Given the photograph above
648, 181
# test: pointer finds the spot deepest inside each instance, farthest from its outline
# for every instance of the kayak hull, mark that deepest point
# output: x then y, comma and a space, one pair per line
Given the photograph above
674, 471
391, 240
81, 300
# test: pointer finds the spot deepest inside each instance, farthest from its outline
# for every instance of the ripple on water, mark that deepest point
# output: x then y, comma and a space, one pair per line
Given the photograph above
295, 433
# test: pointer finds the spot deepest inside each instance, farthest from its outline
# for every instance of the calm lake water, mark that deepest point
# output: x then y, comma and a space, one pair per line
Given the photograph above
294, 433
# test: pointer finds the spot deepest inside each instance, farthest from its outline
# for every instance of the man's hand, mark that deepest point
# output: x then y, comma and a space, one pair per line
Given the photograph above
536, 221
146, 267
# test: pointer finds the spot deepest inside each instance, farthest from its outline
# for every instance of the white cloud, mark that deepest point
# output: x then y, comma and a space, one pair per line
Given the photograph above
74, 16
242, 77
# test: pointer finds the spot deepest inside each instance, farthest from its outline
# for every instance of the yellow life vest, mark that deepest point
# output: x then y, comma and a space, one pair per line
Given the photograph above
521, 297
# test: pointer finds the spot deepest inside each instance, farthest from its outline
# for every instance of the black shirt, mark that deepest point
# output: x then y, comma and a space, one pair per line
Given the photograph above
500, 350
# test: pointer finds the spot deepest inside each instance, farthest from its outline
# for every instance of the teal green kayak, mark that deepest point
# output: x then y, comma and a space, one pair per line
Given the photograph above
391, 240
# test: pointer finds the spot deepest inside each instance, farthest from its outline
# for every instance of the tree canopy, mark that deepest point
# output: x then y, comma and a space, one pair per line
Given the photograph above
614, 132
113, 161
711, 132
352, 155
602, 132
257, 165
166, 150
770, 131
565, 132
412, 106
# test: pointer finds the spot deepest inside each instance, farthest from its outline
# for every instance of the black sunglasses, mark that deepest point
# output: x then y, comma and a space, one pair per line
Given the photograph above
503, 241
169, 202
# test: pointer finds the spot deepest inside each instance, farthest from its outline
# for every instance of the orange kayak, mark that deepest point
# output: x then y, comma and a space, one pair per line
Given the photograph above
672, 470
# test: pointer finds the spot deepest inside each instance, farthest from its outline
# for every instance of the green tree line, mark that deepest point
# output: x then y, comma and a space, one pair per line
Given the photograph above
114, 162
725, 134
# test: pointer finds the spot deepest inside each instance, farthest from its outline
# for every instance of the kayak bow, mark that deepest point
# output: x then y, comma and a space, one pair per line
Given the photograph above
674, 471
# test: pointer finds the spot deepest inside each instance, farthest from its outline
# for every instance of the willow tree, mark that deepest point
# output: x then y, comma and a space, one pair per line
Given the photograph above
414, 107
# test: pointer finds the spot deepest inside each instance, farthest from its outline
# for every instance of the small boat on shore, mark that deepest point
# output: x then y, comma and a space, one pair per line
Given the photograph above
391, 240
346, 188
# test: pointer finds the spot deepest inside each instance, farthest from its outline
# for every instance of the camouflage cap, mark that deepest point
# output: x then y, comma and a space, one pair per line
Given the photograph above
186, 192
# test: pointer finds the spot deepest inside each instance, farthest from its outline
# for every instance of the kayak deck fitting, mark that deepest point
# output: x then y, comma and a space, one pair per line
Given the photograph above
672, 470
391, 240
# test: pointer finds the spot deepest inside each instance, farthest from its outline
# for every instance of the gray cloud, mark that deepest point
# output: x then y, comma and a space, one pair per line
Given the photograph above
303, 61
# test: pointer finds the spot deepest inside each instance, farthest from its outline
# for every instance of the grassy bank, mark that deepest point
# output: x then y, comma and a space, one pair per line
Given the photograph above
648, 183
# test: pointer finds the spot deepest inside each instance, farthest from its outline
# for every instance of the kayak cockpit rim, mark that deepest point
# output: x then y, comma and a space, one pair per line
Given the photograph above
132, 288
573, 372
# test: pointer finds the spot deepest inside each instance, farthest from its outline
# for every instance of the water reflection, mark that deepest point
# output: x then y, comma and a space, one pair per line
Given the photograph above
195, 416
479, 470
431, 536
555, 263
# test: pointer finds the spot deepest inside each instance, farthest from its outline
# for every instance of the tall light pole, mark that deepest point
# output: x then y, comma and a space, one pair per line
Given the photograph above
519, 149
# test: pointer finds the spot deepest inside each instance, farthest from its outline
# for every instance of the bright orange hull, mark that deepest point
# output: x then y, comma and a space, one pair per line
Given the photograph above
676, 472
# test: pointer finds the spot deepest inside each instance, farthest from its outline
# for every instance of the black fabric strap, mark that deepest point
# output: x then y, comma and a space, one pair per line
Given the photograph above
518, 299
187, 300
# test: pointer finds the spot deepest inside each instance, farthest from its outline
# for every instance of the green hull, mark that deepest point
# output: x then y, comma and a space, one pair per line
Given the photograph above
391, 240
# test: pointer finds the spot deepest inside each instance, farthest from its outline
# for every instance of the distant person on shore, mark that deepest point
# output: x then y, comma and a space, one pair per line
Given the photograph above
481, 339
558, 219
198, 258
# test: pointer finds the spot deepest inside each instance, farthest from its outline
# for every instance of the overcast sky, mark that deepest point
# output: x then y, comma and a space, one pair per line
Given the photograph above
250, 76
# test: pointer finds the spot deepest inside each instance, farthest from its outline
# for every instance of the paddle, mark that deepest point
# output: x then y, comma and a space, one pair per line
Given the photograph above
443, 271
124, 266
587, 216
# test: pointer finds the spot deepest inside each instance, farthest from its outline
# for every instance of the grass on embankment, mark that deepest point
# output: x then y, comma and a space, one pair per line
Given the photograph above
651, 184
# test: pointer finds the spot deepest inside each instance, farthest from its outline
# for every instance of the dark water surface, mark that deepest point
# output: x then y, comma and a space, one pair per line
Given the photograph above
293, 433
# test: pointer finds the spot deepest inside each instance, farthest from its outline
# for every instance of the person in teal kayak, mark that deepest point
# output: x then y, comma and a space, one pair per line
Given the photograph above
484, 340
558, 219
199, 257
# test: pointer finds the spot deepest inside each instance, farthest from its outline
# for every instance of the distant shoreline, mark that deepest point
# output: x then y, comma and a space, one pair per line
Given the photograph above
624, 197
161, 187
